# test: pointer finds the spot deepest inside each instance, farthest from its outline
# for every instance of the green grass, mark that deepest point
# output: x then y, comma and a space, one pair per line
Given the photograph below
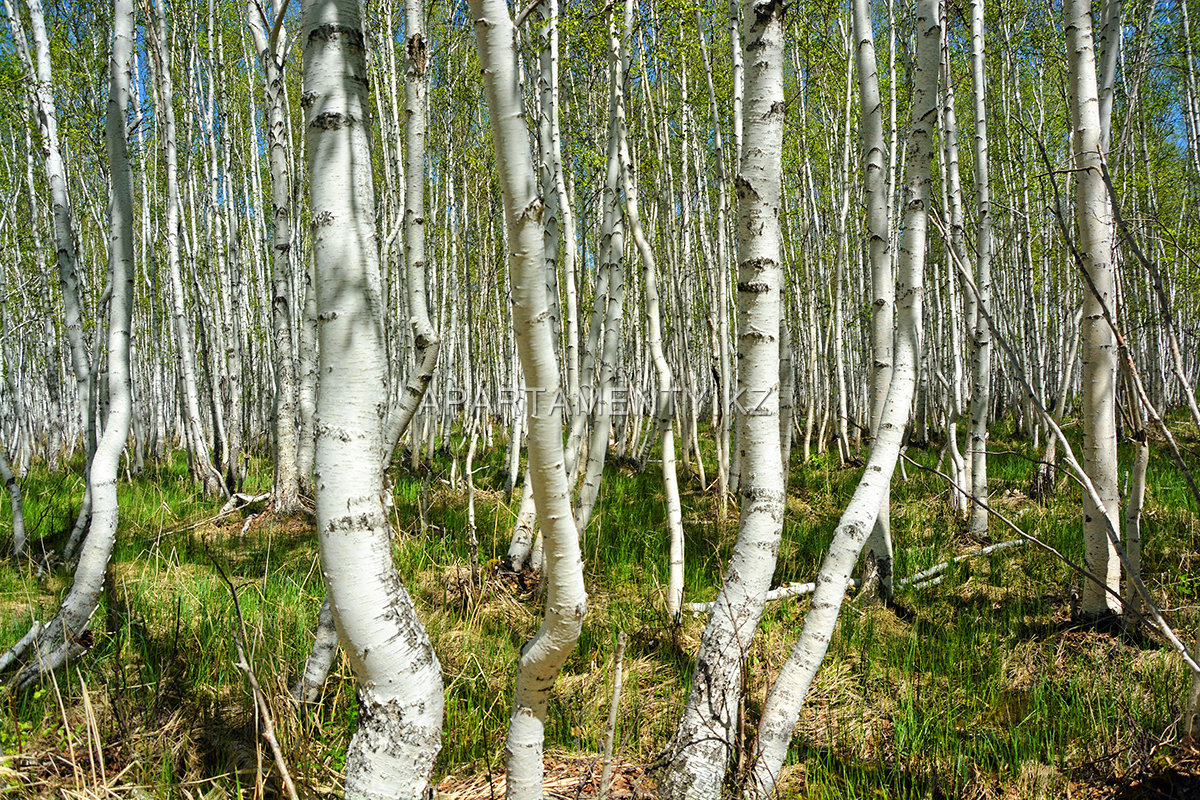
980, 686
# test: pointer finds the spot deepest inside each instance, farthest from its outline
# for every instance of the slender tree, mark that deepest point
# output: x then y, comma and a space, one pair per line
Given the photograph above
566, 600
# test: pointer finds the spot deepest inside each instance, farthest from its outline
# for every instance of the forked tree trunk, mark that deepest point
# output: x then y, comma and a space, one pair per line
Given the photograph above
566, 600
782, 708
399, 679
700, 752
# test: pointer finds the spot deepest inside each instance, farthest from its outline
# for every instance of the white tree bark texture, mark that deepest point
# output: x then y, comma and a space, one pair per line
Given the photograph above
878, 559
782, 707
66, 636
566, 600
1097, 347
981, 366
287, 474
700, 751
394, 748
662, 371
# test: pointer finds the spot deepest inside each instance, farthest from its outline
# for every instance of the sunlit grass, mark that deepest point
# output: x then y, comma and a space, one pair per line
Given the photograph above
982, 684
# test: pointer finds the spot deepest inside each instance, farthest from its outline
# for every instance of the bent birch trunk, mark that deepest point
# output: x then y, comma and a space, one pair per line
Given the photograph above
400, 700
542, 657
782, 708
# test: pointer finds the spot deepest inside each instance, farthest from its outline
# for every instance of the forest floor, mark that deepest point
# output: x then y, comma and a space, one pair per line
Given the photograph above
982, 686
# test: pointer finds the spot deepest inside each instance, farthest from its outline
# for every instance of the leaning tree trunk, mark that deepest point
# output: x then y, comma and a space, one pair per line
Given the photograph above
782, 708
699, 753
65, 637
399, 679
1098, 351
416, 67
877, 566
543, 656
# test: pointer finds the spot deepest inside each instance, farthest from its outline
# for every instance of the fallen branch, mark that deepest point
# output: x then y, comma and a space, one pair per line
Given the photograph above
920, 579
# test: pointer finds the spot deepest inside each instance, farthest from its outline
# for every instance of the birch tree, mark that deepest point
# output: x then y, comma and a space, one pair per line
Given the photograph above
981, 372
66, 636
702, 746
270, 40
878, 561
787, 695
566, 600
1097, 351
399, 679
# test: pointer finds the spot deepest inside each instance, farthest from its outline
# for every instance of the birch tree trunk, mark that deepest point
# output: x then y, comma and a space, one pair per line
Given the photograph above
663, 404
700, 751
981, 366
399, 679
877, 565
46, 111
66, 637
201, 464
18, 515
416, 67
1099, 373
566, 600
783, 704
271, 55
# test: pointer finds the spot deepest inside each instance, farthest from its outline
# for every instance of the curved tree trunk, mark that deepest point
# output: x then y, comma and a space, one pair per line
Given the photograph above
399, 679
782, 708
65, 636
543, 656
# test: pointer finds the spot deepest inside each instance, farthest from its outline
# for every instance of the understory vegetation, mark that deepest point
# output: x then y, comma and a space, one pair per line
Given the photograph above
981, 686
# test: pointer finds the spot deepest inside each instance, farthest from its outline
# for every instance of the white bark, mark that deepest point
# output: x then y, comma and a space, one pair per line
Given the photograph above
981, 366
702, 746
42, 96
287, 476
416, 67
566, 600
613, 263
399, 680
64, 637
1099, 374
14, 496
662, 371
791, 687
202, 467
883, 291
320, 660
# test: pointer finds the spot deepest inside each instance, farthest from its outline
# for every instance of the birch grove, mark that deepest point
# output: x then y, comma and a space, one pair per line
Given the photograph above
750, 273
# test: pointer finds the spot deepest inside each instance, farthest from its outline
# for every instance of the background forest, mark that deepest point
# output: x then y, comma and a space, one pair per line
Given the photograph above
839, 359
